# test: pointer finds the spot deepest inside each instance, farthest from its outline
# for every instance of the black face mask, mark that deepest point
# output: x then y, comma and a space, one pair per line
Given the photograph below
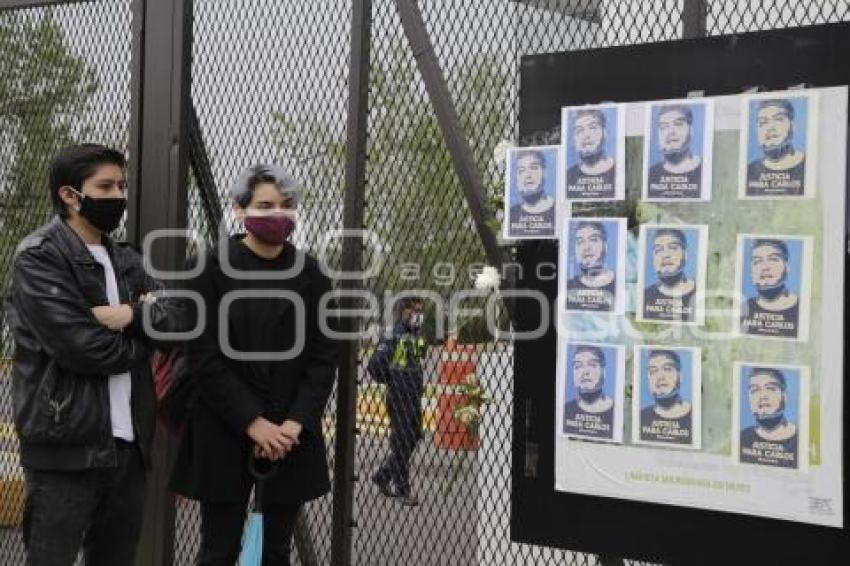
104, 213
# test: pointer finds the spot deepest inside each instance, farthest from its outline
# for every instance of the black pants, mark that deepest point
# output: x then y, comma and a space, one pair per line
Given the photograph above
222, 525
404, 405
100, 510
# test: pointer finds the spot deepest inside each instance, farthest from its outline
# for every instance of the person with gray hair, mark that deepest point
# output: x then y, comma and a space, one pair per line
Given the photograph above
263, 371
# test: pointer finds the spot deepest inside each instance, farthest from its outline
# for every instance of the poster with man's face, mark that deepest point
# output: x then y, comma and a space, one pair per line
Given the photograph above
593, 140
678, 145
666, 396
778, 138
593, 392
770, 415
530, 186
773, 282
671, 275
593, 257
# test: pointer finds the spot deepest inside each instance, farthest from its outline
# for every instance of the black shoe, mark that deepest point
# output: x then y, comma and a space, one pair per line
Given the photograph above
408, 500
384, 487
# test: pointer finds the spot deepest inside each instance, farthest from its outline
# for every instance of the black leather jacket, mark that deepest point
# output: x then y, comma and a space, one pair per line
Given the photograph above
63, 355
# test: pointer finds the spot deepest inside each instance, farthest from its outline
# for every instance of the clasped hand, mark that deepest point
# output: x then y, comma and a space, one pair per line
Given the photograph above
271, 441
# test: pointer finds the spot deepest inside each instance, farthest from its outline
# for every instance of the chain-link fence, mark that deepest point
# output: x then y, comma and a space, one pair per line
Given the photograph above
269, 83
269, 86
64, 77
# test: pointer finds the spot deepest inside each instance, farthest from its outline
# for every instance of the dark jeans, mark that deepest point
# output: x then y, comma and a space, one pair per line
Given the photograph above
100, 509
404, 405
222, 525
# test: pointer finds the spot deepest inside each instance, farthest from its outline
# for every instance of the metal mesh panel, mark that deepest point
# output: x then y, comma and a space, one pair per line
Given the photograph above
425, 238
62, 80
460, 475
735, 16
269, 86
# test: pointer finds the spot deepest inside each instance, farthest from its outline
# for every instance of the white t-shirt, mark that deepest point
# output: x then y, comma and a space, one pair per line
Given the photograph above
119, 384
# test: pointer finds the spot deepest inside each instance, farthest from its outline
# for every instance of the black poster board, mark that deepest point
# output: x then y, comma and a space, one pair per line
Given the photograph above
773, 60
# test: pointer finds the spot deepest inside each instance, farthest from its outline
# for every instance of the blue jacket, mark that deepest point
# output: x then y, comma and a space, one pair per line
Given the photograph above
398, 356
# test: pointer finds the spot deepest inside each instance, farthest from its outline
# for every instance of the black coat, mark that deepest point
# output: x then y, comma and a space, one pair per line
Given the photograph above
63, 355
212, 461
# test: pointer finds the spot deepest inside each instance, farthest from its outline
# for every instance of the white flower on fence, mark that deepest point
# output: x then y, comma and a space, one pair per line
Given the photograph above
488, 280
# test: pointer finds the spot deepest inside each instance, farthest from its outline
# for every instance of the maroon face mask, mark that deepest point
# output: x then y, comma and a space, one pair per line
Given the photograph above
272, 230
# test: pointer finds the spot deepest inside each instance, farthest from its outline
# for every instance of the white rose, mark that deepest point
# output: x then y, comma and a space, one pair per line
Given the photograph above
500, 152
488, 280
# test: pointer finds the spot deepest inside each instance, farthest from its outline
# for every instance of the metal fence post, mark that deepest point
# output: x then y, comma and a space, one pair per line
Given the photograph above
694, 18
158, 199
447, 116
352, 254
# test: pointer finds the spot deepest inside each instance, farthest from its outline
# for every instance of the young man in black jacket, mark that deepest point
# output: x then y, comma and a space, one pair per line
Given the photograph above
82, 387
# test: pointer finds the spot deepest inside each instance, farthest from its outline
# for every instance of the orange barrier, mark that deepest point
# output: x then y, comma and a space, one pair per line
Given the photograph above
456, 362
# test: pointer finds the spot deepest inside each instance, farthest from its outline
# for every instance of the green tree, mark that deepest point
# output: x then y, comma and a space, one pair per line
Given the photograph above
44, 87
415, 203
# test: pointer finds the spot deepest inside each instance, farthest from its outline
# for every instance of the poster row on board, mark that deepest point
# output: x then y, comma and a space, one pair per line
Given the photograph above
777, 140
771, 299
769, 410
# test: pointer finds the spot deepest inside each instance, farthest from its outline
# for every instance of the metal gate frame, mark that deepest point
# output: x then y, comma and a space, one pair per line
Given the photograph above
166, 140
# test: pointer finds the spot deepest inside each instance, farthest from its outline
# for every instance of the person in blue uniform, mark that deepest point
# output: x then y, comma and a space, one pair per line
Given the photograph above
397, 362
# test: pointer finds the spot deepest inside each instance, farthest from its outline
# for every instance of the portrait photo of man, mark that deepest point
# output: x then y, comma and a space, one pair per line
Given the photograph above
672, 273
678, 150
769, 416
773, 280
776, 146
594, 151
594, 248
593, 400
530, 193
667, 381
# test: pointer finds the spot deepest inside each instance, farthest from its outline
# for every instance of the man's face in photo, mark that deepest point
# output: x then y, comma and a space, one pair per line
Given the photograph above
664, 377
590, 247
768, 267
674, 132
767, 396
589, 136
668, 255
529, 173
774, 127
587, 372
